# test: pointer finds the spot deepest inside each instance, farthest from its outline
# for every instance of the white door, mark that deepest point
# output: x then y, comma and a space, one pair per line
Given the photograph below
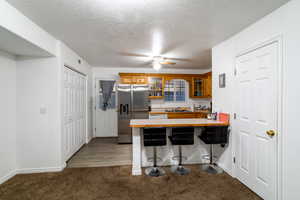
256, 115
74, 107
106, 122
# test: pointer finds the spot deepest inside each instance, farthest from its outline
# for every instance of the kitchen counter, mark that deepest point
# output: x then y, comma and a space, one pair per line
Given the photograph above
138, 123
140, 153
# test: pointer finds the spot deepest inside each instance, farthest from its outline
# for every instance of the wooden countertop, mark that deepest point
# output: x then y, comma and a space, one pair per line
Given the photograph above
195, 122
164, 112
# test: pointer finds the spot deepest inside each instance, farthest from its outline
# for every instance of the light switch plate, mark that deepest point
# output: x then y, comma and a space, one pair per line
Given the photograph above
43, 110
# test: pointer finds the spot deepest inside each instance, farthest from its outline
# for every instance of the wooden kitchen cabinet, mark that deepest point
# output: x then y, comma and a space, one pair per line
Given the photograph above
208, 85
133, 78
186, 115
126, 80
156, 87
139, 80
197, 87
201, 86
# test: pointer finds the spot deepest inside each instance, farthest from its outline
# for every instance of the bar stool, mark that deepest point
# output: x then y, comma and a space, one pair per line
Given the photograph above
211, 136
154, 137
181, 136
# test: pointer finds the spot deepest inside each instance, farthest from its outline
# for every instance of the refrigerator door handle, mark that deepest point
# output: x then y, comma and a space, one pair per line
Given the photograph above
121, 109
127, 109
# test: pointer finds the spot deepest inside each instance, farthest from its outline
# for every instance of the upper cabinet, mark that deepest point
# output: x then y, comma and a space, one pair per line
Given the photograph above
197, 87
208, 85
200, 85
132, 78
156, 87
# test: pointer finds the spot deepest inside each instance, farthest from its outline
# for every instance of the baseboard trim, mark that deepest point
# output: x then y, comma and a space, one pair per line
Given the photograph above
8, 176
41, 170
136, 172
225, 169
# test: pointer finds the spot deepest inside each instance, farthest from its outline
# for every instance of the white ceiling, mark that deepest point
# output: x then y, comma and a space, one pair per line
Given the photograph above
104, 32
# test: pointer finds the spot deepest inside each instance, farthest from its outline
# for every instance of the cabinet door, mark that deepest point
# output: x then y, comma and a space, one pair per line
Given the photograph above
208, 85
197, 87
126, 80
140, 80
181, 115
201, 115
156, 86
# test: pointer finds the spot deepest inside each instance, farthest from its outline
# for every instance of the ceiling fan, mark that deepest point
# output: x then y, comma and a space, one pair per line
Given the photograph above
156, 61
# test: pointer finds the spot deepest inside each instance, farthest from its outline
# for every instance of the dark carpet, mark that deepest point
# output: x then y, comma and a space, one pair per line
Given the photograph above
114, 183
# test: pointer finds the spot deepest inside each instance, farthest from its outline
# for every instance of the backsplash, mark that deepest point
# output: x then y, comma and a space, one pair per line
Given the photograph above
160, 103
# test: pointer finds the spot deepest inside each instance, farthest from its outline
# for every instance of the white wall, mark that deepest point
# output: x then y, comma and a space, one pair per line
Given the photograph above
14, 21
7, 116
39, 86
38, 134
282, 22
31, 103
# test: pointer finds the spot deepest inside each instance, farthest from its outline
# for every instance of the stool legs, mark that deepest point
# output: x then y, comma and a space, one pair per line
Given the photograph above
154, 171
179, 169
212, 167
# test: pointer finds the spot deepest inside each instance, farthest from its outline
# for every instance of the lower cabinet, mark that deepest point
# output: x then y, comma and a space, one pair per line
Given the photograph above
186, 115
158, 116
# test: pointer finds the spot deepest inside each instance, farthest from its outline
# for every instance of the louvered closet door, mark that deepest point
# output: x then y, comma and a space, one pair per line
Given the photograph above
74, 106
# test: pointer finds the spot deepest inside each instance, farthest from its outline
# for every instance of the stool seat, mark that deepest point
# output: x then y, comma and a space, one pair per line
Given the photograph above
181, 136
211, 136
154, 137
215, 135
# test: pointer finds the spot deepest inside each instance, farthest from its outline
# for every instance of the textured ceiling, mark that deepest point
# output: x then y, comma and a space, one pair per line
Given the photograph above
105, 32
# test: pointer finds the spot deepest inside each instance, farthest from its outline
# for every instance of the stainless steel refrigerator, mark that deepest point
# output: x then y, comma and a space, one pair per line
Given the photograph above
133, 103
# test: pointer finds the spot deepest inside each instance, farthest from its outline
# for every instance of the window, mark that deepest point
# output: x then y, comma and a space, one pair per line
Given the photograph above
175, 90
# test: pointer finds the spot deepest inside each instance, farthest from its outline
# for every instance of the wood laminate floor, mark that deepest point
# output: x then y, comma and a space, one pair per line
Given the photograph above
102, 152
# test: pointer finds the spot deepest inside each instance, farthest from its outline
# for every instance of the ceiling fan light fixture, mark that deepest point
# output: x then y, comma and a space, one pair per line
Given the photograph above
157, 66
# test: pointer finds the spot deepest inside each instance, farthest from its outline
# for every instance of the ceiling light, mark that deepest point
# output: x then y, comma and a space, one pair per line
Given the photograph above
156, 65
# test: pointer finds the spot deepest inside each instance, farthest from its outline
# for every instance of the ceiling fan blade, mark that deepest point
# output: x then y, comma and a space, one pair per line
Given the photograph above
133, 54
149, 63
180, 59
167, 63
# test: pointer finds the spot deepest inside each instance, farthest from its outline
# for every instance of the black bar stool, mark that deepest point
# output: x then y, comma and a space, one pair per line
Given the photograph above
214, 135
154, 137
181, 136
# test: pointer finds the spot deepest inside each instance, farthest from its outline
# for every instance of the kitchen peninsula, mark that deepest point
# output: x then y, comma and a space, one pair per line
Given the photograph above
195, 152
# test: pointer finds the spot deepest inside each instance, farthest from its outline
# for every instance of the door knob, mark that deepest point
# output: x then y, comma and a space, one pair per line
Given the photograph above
271, 133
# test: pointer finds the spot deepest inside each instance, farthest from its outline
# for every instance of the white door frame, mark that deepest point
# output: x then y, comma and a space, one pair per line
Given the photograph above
95, 79
281, 101
86, 102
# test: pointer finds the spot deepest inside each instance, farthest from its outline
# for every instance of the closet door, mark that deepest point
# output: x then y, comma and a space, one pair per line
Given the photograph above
257, 120
74, 108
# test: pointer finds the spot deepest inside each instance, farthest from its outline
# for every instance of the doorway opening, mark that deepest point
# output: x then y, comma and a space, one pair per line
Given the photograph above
104, 149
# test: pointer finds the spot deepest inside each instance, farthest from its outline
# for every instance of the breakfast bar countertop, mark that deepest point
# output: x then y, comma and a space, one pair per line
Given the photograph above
195, 122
